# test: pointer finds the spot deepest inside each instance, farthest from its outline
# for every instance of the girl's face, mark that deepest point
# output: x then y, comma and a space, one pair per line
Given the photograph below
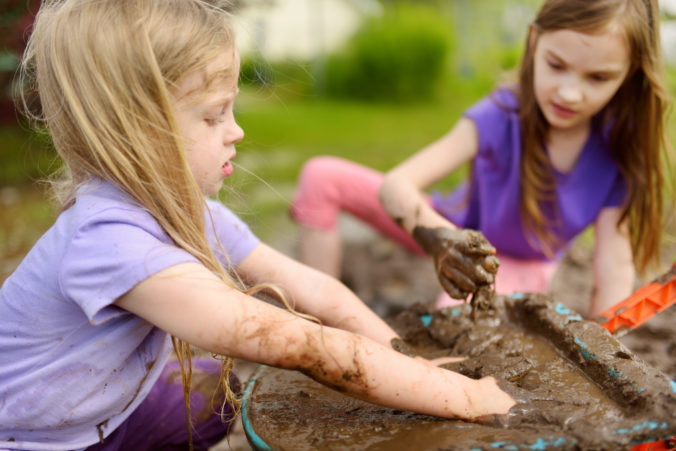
576, 74
208, 125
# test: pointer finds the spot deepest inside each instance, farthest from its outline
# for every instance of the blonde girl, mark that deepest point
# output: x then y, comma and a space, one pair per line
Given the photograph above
138, 98
577, 142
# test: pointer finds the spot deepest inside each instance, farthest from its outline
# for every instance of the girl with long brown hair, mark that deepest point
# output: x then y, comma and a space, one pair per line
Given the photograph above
578, 141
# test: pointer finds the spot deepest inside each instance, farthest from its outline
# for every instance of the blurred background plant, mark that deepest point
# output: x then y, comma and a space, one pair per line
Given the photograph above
369, 80
399, 56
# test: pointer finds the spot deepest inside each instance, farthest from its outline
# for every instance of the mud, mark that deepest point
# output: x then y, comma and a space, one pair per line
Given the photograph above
578, 388
464, 260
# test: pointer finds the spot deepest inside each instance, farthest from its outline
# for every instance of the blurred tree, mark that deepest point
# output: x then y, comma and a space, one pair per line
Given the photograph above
16, 18
399, 56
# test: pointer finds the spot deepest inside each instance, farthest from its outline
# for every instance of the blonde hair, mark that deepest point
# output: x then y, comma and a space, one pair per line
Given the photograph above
635, 116
104, 72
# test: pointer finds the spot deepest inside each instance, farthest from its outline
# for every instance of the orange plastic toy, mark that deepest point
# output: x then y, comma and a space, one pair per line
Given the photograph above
641, 305
656, 446
635, 310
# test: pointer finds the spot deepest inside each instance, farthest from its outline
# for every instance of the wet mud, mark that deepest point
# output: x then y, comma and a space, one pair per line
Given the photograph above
464, 260
578, 387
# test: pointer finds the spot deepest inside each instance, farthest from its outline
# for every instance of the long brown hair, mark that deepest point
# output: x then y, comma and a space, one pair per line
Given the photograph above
635, 117
104, 72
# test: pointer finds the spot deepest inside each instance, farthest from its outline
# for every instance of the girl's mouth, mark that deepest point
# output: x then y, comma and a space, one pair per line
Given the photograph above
227, 169
562, 111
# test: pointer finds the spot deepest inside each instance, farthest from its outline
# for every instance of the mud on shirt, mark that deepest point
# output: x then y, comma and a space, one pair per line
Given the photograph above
73, 366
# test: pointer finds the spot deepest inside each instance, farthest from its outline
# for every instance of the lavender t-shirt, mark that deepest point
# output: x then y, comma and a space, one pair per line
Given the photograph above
73, 366
492, 204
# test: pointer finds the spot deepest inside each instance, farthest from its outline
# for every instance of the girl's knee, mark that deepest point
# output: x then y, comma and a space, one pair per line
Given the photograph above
335, 179
320, 172
318, 199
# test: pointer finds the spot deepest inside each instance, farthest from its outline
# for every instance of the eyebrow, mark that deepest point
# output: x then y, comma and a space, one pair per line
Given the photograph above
602, 71
224, 98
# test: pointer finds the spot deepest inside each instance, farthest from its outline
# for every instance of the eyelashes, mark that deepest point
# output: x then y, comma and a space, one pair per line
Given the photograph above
599, 78
214, 121
554, 65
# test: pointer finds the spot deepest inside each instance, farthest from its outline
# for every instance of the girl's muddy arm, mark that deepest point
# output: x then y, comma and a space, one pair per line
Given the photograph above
191, 303
400, 193
463, 259
313, 292
613, 266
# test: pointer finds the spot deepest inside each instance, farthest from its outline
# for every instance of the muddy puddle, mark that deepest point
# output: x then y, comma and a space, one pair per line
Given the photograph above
578, 388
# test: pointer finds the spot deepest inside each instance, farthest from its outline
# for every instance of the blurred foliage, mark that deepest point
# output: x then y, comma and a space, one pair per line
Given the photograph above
416, 51
296, 77
26, 156
255, 71
400, 56
16, 17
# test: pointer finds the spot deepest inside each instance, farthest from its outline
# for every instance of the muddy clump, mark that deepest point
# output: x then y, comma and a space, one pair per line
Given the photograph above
578, 388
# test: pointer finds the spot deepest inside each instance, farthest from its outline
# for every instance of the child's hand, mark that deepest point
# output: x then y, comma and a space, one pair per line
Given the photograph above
491, 399
463, 258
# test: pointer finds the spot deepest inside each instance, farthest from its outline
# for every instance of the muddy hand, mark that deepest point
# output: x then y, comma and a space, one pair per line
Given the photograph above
463, 258
492, 399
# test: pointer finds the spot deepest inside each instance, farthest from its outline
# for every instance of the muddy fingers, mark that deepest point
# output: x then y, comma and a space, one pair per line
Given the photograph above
452, 290
464, 259
456, 276
491, 264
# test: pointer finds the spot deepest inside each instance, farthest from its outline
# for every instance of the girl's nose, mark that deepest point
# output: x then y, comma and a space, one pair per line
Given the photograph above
570, 91
234, 134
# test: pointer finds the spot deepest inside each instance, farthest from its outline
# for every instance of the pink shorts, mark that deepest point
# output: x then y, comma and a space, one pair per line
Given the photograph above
331, 185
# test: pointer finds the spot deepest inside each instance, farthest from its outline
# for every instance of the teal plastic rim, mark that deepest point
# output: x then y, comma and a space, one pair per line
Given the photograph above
255, 441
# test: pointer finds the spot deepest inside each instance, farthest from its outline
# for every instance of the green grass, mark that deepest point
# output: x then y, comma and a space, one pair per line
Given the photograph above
24, 156
346, 128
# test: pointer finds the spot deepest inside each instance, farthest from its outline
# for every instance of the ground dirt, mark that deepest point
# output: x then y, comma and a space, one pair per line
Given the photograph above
391, 280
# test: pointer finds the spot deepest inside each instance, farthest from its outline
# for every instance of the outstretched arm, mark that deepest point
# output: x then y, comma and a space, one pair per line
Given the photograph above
312, 292
401, 191
464, 260
191, 303
613, 265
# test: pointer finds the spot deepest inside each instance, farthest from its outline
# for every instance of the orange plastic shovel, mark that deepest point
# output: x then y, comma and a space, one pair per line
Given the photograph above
642, 304
635, 310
